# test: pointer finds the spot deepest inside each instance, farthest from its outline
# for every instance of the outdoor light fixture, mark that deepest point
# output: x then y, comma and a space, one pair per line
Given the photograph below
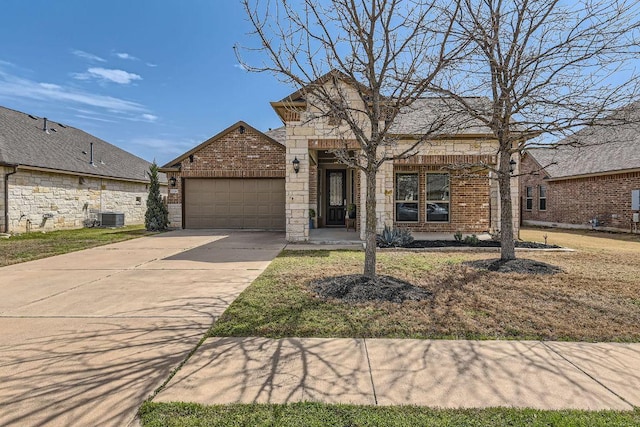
512, 165
241, 129
172, 181
296, 165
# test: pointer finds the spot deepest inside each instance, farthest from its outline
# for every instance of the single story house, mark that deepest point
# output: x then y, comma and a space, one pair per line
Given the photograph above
589, 181
244, 178
55, 176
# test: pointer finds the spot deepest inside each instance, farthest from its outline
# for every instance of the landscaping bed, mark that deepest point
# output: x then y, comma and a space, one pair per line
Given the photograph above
479, 244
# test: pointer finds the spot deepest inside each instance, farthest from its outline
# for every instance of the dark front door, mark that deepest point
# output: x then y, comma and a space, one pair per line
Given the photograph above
336, 196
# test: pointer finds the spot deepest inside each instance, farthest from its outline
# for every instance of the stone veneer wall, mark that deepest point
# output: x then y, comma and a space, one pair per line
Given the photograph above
3, 170
232, 155
36, 195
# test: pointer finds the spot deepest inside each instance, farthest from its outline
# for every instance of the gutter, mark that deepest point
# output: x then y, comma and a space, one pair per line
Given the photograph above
6, 196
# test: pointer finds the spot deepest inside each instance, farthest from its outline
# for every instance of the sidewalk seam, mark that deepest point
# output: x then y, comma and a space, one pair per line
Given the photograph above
588, 375
373, 386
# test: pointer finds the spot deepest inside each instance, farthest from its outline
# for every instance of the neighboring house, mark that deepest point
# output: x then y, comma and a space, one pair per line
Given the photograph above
588, 184
55, 176
243, 178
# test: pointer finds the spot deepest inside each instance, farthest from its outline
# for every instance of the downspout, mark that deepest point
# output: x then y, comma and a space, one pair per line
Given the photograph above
6, 196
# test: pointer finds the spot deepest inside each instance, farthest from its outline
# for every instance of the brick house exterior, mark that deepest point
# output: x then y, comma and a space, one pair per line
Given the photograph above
463, 202
588, 181
57, 177
239, 152
214, 184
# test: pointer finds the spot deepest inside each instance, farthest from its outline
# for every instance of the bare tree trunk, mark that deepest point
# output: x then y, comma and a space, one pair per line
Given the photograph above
370, 224
507, 251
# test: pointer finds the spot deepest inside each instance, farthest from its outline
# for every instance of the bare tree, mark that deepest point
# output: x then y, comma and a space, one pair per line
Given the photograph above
548, 68
390, 52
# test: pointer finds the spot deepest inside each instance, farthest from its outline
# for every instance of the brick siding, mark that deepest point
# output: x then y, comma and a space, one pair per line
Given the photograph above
469, 208
233, 155
579, 200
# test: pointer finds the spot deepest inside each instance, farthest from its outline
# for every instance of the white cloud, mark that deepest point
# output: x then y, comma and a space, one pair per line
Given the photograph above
149, 117
99, 119
13, 87
124, 55
242, 67
149, 64
107, 75
87, 55
50, 86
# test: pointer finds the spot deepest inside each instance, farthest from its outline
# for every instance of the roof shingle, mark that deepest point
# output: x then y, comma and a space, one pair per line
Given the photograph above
23, 141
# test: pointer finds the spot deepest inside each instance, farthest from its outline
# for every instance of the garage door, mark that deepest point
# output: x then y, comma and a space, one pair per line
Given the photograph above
234, 203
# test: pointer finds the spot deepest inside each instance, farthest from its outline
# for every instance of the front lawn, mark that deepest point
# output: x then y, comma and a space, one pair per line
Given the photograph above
318, 414
36, 245
595, 299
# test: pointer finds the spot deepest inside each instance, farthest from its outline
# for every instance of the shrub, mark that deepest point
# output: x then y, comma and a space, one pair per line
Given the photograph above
157, 216
394, 237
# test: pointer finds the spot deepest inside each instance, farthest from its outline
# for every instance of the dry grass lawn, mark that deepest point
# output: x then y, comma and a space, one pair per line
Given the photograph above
597, 298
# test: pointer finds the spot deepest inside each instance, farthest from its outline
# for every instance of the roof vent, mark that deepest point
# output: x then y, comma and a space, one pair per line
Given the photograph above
91, 156
62, 126
44, 126
33, 117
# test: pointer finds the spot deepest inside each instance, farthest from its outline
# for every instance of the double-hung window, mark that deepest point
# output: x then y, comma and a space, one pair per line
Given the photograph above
528, 198
542, 198
438, 197
406, 197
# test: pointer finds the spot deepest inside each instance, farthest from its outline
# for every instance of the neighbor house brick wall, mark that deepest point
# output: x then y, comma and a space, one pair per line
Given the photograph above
574, 202
44, 201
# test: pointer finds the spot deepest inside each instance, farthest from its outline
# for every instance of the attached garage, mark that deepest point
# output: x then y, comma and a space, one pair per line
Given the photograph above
234, 203
234, 179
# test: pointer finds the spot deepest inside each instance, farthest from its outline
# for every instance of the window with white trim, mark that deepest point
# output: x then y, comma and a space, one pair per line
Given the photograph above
406, 197
438, 197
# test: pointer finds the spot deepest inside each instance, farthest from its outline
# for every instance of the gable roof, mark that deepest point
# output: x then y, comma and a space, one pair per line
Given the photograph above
595, 150
25, 142
175, 162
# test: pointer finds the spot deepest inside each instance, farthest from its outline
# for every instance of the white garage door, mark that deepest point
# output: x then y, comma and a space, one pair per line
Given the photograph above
234, 203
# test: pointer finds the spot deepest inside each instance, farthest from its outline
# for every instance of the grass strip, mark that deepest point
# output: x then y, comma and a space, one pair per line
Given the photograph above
319, 414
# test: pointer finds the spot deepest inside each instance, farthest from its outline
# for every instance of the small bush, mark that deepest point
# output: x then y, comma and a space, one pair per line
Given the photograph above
394, 237
472, 240
458, 236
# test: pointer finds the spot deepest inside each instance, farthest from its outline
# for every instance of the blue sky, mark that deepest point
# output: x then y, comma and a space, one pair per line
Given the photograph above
154, 77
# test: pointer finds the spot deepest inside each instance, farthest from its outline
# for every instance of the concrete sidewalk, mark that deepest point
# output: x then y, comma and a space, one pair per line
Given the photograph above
448, 374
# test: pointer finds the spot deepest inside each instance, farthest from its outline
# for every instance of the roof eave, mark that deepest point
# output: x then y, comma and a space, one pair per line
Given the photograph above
594, 174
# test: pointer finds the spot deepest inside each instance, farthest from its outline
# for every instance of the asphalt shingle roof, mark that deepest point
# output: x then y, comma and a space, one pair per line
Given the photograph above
278, 134
594, 150
23, 141
414, 120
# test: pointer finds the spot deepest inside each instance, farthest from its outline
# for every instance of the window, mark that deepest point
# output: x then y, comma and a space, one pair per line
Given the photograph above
542, 198
437, 197
406, 197
528, 198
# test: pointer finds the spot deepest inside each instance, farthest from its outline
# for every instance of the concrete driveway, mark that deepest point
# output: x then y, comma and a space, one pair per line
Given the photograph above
87, 336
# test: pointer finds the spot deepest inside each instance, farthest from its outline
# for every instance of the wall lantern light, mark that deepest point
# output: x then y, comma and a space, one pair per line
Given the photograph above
512, 165
296, 165
172, 181
241, 129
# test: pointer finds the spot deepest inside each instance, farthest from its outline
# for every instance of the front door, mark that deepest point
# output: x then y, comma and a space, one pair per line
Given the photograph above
336, 196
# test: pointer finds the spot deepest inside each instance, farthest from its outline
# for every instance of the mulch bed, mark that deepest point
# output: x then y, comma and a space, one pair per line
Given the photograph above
481, 244
359, 288
523, 266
